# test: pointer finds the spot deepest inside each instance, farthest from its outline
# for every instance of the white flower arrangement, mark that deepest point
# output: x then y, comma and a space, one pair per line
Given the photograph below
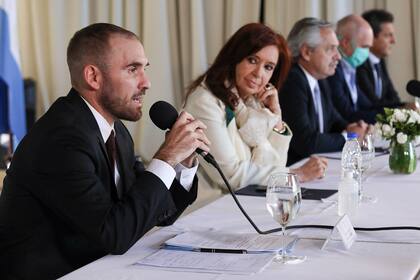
398, 125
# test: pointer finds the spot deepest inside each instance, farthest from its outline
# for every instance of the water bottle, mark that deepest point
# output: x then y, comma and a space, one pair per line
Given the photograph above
351, 160
348, 195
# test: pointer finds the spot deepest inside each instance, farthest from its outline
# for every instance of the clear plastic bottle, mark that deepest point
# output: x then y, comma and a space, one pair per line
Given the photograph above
351, 160
348, 195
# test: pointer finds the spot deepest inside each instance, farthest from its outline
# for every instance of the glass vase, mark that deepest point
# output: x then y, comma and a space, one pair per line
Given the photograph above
402, 158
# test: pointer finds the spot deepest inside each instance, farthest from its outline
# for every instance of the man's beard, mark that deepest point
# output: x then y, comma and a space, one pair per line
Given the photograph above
118, 108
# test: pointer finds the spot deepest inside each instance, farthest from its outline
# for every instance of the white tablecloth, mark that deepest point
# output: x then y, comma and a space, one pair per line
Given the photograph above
375, 255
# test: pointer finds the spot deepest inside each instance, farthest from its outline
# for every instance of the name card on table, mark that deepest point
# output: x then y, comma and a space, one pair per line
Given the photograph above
346, 233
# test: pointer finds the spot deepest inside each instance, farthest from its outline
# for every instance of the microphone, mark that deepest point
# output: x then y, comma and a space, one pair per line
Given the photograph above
164, 116
413, 88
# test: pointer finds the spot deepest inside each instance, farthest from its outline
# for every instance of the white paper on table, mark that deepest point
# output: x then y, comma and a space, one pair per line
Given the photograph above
207, 262
252, 243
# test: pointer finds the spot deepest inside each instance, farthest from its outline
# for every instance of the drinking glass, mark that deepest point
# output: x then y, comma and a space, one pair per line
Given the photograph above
283, 199
368, 154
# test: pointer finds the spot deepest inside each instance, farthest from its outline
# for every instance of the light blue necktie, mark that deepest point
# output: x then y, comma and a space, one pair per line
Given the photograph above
378, 80
318, 107
353, 89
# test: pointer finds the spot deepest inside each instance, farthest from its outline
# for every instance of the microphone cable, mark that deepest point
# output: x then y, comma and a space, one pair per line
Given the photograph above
210, 159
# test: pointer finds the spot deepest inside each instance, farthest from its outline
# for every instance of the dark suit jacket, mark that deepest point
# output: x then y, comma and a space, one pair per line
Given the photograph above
341, 97
59, 208
366, 81
299, 113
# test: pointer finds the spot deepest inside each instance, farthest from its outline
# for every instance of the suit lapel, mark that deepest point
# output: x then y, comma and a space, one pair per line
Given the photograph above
371, 80
385, 79
84, 110
325, 106
312, 111
341, 77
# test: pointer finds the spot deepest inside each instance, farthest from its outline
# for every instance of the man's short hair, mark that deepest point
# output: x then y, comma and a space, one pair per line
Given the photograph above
376, 18
91, 45
306, 31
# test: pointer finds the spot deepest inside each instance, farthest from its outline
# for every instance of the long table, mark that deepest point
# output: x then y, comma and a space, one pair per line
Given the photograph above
375, 255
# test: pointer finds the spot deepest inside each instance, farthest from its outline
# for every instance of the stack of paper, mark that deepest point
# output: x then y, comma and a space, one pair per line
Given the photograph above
207, 262
246, 242
217, 252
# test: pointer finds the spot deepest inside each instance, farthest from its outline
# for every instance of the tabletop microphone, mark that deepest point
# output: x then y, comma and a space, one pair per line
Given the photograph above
413, 88
164, 116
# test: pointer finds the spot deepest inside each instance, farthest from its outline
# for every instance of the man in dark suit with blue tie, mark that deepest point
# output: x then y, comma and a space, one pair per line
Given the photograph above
372, 76
305, 97
74, 191
355, 36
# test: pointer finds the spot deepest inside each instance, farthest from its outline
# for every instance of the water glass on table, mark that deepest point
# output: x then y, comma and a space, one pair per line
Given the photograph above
283, 199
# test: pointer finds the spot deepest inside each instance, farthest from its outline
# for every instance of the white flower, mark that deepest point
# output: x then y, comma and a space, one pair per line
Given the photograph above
377, 130
386, 128
399, 115
417, 140
401, 138
411, 120
392, 133
414, 117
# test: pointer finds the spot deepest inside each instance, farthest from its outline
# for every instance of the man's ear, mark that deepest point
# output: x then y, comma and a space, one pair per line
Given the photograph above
305, 52
92, 76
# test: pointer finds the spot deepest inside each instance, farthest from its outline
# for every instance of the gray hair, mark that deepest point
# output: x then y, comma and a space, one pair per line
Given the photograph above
306, 31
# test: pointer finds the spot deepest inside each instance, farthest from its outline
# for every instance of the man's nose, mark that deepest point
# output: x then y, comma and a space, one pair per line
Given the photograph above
144, 82
337, 54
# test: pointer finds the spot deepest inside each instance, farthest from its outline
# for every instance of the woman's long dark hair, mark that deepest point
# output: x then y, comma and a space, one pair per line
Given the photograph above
248, 40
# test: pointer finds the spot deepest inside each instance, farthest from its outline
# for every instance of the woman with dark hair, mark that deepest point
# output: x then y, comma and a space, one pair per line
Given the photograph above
237, 99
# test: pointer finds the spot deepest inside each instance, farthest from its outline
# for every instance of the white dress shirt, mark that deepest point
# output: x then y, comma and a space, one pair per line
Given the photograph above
160, 168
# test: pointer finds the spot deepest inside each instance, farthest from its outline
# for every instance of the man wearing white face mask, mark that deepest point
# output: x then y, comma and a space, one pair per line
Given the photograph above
355, 38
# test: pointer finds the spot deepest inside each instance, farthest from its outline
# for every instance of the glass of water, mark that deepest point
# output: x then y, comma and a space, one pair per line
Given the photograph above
368, 154
283, 199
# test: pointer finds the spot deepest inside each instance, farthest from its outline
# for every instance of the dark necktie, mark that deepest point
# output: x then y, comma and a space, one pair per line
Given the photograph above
112, 152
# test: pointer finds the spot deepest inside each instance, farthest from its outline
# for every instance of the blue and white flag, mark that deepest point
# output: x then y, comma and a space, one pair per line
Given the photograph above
12, 99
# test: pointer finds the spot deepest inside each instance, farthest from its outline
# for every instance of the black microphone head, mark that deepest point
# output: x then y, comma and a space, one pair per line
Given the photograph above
413, 88
163, 114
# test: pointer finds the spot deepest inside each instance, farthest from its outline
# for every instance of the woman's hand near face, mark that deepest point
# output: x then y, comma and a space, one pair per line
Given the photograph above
269, 97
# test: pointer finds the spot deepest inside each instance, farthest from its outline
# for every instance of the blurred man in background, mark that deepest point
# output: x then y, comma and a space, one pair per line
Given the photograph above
372, 76
355, 36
